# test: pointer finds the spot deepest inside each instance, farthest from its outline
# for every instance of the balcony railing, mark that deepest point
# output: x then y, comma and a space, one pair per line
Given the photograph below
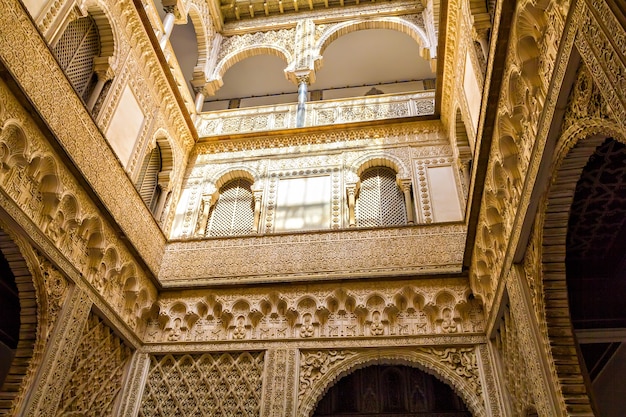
318, 113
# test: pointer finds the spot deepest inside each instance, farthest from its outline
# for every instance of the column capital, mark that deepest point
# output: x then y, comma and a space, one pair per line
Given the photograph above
405, 183
164, 179
178, 8
301, 76
258, 194
103, 68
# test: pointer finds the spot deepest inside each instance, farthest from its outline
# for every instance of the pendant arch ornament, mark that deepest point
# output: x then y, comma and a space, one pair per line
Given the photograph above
454, 366
35, 323
576, 145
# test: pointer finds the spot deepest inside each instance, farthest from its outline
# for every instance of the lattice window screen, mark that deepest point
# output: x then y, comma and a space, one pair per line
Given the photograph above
76, 49
96, 373
380, 201
233, 214
148, 178
212, 384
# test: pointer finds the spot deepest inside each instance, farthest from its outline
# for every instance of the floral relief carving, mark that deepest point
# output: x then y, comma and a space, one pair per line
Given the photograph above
314, 365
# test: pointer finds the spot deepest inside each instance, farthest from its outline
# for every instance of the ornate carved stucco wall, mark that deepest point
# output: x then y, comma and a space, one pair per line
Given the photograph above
65, 211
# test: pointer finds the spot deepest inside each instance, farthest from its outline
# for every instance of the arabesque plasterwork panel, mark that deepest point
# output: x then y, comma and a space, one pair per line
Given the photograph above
50, 199
457, 366
338, 254
104, 172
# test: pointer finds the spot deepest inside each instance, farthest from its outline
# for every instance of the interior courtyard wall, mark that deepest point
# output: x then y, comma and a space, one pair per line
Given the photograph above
517, 152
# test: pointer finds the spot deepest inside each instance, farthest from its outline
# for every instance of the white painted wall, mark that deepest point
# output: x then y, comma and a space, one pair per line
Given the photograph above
444, 194
473, 95
34, 7
125, 126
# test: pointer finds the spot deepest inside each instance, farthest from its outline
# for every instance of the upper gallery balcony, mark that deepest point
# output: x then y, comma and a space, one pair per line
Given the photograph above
312, 69
317, 113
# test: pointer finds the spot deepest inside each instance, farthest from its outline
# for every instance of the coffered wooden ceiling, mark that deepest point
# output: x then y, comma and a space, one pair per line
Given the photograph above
237, 10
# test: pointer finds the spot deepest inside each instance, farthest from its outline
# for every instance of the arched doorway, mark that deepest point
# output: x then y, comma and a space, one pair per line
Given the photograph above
10, 313
596, 274
390, 390
19, 325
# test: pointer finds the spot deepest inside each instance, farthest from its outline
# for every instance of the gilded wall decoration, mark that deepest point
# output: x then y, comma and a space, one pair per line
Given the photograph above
32, 175
97, 162
56, 371
402, 250
280, 382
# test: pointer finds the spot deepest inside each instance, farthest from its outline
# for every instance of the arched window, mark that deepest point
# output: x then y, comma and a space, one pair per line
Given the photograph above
233, 213
380, 201
76, 51
147, 182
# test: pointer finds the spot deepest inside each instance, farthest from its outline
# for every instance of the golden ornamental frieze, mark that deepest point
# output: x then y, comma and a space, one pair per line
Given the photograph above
315, 255
324, 16
518, 126
396, 133
324, 113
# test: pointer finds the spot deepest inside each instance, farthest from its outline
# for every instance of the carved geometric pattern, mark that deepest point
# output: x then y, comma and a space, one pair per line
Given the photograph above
380, 202
96, 373
508, 346
233, 214
212, 384
599, 209
76, 49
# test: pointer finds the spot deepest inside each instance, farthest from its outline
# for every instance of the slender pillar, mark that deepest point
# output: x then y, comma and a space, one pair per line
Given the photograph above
164, 184
203, 215
95, 93
258, 196
406, 190
303, 83
168, 25
104, 72
351, 189
199, 101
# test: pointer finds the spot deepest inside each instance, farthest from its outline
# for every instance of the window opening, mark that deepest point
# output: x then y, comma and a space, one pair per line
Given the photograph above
233, 214
75, 51
380, 201
148, 179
